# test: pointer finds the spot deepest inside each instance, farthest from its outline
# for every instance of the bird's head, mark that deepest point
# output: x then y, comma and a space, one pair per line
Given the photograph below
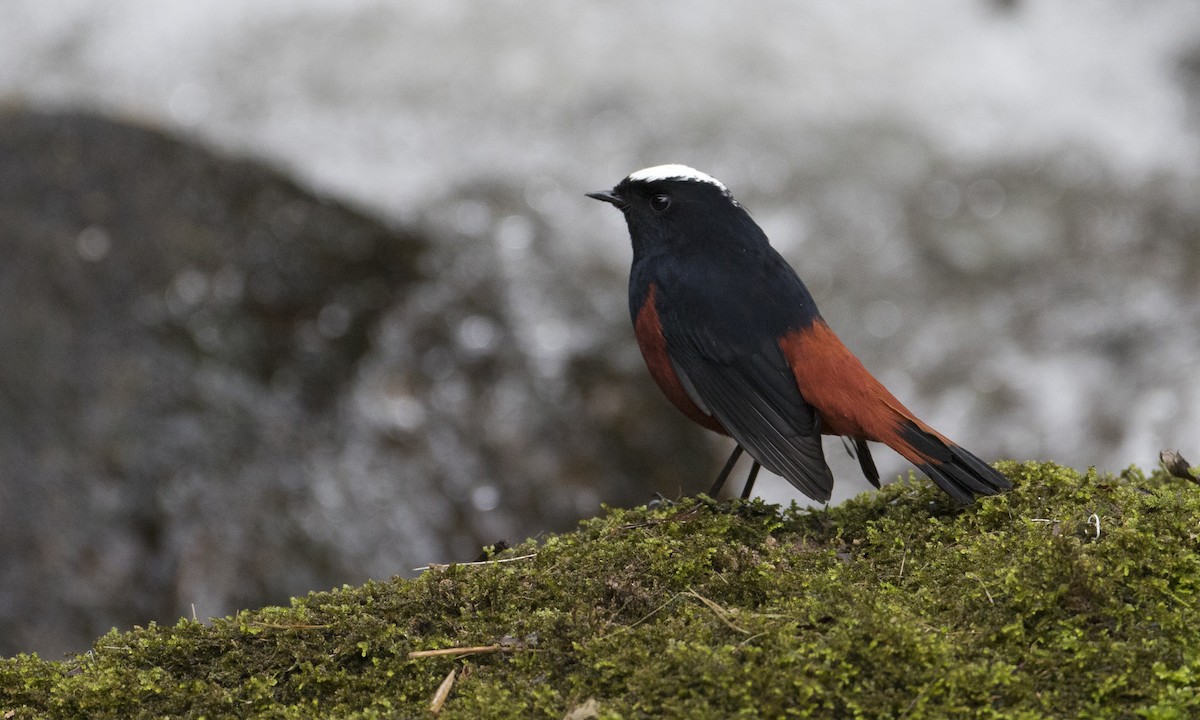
670, 204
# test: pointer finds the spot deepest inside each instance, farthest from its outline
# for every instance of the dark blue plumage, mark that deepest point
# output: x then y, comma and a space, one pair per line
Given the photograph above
734, 339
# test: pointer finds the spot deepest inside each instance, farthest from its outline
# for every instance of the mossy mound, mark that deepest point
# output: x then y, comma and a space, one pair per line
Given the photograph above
1075, 595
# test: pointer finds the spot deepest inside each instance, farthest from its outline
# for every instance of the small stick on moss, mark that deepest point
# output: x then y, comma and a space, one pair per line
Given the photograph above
443, 566
473, 650
443, 691
284, 626
686, 514
644, 618
719, 611
978, 579
506, 644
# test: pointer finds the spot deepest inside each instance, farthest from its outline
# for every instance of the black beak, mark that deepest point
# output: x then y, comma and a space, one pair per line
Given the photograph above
608, 196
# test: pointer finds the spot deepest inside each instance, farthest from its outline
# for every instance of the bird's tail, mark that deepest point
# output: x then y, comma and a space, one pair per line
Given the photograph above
955, 469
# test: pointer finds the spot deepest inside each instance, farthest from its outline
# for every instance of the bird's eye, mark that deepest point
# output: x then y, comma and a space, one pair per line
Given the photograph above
660, 203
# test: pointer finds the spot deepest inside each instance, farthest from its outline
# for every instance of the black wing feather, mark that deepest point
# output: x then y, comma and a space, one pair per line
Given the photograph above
754, 396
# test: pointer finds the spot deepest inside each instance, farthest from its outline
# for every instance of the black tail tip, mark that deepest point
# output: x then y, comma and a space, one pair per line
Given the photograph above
965, 477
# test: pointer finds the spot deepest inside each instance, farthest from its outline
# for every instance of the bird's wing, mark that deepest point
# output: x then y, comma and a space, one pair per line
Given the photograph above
753, 394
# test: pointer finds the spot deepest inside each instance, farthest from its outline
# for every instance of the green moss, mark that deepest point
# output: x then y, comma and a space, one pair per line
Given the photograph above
1072, 596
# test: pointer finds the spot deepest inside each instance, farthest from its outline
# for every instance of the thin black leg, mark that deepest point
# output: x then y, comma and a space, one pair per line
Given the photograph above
733, 458
750, 480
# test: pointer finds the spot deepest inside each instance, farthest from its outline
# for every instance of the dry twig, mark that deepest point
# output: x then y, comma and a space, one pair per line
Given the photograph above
443, 691
458, 651
443, 566
722, 614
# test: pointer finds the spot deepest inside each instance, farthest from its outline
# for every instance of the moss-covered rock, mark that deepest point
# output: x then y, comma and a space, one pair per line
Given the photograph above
1075, 595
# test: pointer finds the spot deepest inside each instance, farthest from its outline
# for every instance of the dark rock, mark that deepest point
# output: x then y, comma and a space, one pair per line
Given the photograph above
219, 390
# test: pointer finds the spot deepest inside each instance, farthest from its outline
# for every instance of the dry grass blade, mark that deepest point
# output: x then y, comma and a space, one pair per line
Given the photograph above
722, 614
457, 651
443, 566
443, 691
686, 514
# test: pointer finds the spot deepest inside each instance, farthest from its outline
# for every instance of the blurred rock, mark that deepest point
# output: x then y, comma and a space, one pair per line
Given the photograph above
218, 390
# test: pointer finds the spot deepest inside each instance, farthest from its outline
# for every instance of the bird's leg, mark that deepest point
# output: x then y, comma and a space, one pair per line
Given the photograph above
750, 480
733, 458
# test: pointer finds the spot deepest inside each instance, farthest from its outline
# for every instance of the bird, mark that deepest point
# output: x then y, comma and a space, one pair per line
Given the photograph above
733, 338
